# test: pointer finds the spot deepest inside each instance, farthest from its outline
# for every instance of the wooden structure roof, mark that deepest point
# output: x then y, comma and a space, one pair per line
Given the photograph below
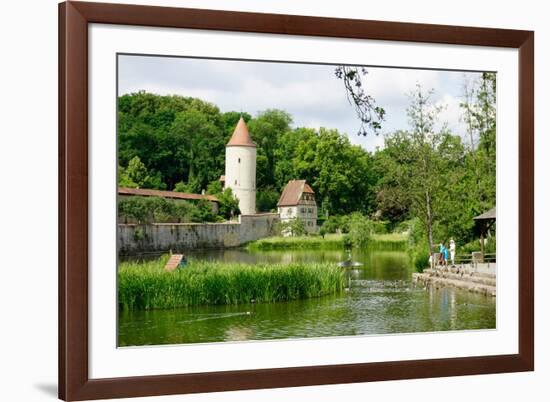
292, 193
165, 194
487, 215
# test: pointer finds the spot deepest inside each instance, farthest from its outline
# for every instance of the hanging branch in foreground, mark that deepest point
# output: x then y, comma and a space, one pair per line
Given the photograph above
370, 115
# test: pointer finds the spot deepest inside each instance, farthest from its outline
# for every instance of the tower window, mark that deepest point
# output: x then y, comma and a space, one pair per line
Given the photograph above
239, 160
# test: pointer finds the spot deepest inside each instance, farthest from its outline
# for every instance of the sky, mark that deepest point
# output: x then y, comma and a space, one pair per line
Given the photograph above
311, 93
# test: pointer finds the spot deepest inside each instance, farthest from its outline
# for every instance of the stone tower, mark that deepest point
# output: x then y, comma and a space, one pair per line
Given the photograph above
240, 168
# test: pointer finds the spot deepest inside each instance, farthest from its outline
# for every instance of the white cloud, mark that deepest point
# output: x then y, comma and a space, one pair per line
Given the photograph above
310, 93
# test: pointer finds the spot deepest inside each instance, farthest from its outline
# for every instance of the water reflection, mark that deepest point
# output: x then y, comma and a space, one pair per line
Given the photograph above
382, 300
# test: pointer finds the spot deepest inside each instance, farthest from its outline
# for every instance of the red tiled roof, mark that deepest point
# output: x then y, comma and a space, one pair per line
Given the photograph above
164, 194
293, 192
241, 137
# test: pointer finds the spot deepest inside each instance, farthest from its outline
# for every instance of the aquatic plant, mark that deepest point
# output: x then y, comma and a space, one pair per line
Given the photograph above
382, 242
331, 242
146, 285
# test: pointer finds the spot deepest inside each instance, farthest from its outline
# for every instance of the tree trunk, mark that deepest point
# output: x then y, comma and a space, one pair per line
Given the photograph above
429, 223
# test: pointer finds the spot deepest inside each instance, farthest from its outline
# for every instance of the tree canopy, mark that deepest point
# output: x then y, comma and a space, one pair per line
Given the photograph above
424, 173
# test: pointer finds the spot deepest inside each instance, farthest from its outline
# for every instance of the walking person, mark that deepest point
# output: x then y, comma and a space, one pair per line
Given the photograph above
452, 248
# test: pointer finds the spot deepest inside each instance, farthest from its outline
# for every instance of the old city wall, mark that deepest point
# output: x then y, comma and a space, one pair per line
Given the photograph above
159, 237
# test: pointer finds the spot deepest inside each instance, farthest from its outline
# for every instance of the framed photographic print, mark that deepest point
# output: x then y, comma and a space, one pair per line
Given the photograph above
260, 200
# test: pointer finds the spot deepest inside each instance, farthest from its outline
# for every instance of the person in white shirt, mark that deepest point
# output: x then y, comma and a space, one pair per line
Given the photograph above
452, 249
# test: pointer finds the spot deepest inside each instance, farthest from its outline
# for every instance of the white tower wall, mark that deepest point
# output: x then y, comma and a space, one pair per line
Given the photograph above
240, 176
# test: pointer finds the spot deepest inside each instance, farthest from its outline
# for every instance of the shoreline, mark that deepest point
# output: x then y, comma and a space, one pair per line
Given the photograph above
481, 279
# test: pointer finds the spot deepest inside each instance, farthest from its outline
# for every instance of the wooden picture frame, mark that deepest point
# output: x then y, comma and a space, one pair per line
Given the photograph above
74, 381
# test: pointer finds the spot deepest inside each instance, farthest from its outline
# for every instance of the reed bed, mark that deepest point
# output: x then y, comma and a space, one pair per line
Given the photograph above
389, 242
143, 286
381, 242
329, 242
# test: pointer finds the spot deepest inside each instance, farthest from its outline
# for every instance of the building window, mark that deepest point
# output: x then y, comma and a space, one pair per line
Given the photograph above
303, 210
309, 223
239, 160
235, 182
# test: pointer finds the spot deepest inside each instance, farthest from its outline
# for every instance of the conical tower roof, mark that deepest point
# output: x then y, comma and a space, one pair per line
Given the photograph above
241, 137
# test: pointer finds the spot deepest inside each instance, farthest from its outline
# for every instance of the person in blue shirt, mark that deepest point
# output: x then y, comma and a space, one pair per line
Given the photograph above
441, 254
445, 255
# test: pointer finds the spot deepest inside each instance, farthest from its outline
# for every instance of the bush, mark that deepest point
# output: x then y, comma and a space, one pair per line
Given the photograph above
266, 200
380, 227
229, 205
203, 212
336, 224
360, 230
421, 260
474, 245
331, 224
145, 210
294, 227
347, 241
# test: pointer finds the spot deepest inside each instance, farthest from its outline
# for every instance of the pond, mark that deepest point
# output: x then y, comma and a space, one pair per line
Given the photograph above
382, 299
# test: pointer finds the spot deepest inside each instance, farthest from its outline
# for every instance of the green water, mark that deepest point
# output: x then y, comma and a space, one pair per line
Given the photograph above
381, 300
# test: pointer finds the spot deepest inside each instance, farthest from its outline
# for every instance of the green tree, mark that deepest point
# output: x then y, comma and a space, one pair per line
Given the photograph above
414, 162
479, 114
360, 230
339, 172
266, 199
136, 175
181, 138
266, 129
214, 187
293, 227
228, 205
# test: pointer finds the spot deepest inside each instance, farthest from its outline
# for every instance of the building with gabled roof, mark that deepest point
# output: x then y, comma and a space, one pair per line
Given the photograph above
298, 201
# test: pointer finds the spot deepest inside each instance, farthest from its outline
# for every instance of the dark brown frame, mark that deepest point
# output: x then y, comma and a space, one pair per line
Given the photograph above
74, 17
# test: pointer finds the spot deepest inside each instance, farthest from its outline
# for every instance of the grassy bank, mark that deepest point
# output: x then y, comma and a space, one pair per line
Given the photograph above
147, 286
387, 242
330, 242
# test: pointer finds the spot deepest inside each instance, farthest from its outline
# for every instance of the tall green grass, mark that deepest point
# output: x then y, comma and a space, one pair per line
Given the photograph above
146, 285
382, 242
329, 242
388, 242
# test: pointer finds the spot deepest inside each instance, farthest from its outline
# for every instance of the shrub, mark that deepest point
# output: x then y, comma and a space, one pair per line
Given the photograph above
229, 205
203, 212
421, 260
347, 241
293, 227
156, 209
266, 200
360, 230
331, 224
474, 245
380, 227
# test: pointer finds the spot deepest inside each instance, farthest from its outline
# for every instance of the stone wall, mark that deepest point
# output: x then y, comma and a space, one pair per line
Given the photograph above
159, 237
